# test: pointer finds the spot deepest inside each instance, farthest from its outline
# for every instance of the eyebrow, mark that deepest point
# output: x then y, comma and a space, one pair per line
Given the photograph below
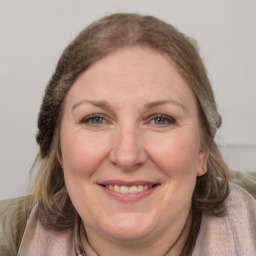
149, 105
96, 103
162, 102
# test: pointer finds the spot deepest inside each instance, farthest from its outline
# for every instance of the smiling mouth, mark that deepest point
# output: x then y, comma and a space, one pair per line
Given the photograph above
134, 189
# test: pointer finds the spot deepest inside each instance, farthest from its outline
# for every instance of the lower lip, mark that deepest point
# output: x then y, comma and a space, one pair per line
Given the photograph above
130, 196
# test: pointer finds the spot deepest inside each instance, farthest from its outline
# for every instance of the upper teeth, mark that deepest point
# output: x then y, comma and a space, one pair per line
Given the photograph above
126, 190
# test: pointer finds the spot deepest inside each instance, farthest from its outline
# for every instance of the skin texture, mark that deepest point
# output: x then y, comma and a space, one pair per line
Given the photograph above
127, 140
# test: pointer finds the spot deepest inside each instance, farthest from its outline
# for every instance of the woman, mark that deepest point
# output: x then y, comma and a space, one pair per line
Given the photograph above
129, 165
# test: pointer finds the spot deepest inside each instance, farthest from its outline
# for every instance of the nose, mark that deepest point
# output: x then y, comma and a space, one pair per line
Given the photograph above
127, 150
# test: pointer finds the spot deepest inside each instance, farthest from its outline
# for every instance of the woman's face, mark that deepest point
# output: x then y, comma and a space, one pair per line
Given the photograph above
130, 143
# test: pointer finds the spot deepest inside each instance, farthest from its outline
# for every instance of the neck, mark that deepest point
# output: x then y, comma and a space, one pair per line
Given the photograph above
165, 245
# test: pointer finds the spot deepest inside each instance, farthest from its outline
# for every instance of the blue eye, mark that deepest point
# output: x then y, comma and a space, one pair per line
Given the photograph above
163, 120
96, 120
93, 120
160, 120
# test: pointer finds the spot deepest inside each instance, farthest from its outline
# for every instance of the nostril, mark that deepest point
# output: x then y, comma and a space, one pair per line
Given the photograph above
128, 160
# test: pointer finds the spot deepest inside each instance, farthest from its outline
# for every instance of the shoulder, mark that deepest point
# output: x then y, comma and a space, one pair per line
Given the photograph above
39, 239
246, 180
233, 233
13, 217
240, 207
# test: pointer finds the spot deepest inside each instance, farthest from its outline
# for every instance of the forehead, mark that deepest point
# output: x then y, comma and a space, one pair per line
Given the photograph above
130, 62
131, 73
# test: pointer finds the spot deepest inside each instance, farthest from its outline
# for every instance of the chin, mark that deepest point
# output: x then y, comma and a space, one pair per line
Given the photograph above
130, 227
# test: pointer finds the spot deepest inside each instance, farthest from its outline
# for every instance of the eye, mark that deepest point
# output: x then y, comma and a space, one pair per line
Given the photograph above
162, 120
95, 119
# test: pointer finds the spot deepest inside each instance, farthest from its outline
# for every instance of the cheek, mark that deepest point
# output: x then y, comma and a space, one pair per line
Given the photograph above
82, 153
177, 154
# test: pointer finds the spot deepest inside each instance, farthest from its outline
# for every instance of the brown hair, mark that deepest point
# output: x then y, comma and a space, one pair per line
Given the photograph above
55, 208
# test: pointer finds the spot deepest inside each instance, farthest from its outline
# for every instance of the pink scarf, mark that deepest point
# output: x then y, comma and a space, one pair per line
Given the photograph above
231, 235
40, 241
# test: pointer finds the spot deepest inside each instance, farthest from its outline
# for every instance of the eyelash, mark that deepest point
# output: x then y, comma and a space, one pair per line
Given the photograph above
165, 119
92, 117
170, 120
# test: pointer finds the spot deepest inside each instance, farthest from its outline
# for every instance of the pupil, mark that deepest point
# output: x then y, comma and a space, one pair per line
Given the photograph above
97, 120
160, 120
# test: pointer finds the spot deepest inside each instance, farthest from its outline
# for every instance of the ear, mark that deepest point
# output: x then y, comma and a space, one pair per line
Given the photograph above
202, 161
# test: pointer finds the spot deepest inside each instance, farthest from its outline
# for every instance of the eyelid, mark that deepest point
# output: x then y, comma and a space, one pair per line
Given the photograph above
86, 119
169, 118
